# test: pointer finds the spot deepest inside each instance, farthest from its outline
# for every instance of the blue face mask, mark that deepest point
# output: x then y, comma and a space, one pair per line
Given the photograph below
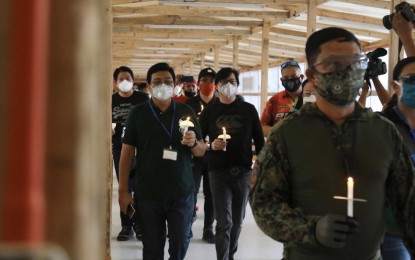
408, 94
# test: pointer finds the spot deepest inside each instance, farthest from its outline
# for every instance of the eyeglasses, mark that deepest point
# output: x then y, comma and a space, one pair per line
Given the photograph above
289, 63
341, 62
409, 78
224, 82
167, 82
308, 93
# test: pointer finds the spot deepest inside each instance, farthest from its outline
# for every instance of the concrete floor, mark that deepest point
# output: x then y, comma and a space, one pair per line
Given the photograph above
253, 244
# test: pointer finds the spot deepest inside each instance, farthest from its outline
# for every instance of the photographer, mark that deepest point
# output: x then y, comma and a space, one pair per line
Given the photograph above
381, 92
403, 29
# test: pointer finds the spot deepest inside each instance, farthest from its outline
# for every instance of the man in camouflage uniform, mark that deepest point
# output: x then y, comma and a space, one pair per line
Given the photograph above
309, 156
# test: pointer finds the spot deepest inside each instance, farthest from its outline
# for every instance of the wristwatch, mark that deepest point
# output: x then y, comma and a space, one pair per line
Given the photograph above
195, 144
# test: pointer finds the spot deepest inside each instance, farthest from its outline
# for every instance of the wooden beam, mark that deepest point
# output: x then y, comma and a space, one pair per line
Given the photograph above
198, 10
264, 64
288, 32
202, 60
135, 2
371, 3
216, 57
139, 43
235, 52
350, 17
139, 30
311, 17
178, 20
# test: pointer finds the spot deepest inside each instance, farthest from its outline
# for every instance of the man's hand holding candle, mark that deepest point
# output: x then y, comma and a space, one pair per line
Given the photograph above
189, 138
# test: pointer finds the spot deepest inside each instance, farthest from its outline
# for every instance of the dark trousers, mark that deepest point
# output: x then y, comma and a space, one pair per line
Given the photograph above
152, 217
116, 154
200, 169
230, 195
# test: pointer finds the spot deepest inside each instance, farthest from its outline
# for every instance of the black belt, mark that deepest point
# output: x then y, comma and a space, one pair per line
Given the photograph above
235, 171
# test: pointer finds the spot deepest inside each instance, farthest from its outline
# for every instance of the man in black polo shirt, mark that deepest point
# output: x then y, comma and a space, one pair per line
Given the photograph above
165, 184
204, 99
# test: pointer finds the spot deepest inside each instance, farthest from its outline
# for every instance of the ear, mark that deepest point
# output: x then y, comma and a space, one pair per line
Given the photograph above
310, 75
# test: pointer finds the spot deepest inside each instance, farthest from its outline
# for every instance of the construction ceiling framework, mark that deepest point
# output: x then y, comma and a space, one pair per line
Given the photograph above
218, 33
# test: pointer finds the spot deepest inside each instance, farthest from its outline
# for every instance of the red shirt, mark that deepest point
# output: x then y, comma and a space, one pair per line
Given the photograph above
277, 108
181, 99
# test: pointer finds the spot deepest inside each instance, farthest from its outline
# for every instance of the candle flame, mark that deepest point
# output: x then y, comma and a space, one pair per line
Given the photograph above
188, 118
349, 179
223, 128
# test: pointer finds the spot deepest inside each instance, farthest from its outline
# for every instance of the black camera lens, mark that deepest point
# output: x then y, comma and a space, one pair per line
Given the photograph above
387, 21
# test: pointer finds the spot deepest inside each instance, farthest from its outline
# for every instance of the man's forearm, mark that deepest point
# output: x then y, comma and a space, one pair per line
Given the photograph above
200, 149
126, 160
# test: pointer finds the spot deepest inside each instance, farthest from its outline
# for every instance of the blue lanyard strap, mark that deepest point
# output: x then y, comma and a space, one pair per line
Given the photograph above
169, 133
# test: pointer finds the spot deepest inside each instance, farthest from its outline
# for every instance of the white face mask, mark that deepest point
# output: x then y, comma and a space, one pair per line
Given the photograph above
309, 99
228, 90
162, 92
177, 90
125, 85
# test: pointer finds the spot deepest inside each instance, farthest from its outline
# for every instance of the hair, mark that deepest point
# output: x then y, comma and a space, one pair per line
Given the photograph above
304, 82
312, 46
226, 72
142, 85
118, 70
162, 66
400, 65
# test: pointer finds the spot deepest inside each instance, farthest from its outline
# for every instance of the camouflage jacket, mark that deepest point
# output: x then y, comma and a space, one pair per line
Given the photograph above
306, 161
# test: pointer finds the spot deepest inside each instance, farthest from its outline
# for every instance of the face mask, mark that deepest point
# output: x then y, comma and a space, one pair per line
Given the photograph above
340, 88
125, 85
207, 89
228, 90
162, 92
177, 90
309, 99
291, 85
408, 95
189, 94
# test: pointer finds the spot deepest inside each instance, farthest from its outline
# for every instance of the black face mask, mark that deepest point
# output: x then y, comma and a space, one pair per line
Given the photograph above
291, 85
189, 94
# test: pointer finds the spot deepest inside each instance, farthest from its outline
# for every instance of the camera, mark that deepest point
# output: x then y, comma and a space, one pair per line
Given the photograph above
375, 65
406, 10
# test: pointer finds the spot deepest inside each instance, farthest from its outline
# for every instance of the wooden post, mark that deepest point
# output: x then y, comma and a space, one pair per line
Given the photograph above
311, 21
311, 17
393, 48
264, 64
192, 68
216, 61
235, 52
202, 61
78, 123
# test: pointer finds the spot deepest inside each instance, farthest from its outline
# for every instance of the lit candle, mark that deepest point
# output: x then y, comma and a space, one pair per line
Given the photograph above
350, 185
224, 136
184, 124
201, 109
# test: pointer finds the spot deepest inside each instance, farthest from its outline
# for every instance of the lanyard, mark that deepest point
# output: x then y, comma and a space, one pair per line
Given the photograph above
169, 133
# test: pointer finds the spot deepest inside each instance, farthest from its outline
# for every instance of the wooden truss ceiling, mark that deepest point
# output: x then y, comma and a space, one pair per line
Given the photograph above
189, 34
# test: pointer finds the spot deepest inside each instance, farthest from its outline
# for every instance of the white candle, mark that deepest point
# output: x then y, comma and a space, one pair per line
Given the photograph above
350, 185
224, 136
186, 126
